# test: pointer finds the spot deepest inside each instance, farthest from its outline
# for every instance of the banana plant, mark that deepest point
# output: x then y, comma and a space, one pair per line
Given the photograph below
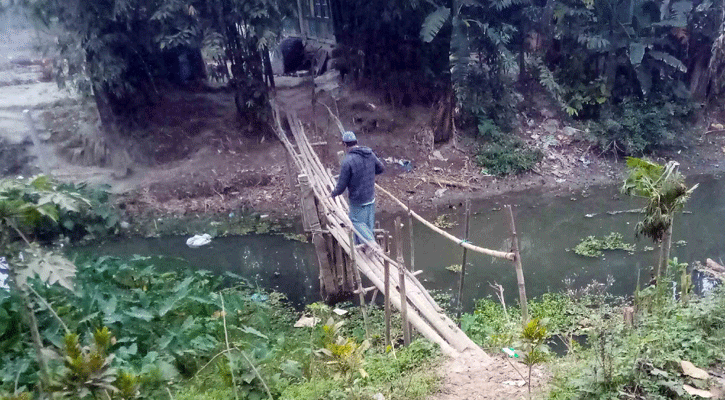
469, 33
664, 189
645, 31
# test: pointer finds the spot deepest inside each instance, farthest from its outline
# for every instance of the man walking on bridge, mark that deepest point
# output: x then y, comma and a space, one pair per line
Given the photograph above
357, 175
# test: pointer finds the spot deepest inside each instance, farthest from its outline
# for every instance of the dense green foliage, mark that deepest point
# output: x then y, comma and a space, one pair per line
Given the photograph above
168, 329
126, 52
643, 361
637, 127
46, 210
492, 328
509, 156
634, 69
605, 357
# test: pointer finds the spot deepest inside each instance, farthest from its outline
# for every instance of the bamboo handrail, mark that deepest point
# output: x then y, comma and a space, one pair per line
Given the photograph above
460, 242
423, 311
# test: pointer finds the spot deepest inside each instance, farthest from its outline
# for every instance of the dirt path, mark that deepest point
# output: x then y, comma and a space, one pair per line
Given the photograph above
468, 378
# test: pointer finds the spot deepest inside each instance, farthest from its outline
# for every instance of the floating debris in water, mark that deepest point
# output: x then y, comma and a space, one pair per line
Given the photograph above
259, 297
454, 268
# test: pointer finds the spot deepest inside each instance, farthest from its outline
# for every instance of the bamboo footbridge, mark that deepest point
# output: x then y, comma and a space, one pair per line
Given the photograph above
340, 262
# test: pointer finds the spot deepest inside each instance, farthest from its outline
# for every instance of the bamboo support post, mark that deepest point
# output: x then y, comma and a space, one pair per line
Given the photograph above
411, 267
463, 263
401, 283
386, 274
519, 269
412, 240
361, 291
290, 173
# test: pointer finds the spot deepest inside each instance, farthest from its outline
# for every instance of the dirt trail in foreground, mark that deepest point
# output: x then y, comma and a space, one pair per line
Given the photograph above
469, 378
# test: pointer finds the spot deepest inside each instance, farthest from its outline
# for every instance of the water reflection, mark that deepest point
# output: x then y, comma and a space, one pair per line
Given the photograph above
268, 261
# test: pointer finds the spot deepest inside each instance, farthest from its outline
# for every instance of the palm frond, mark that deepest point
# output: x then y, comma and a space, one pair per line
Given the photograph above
593, 42
669, 60
433, 23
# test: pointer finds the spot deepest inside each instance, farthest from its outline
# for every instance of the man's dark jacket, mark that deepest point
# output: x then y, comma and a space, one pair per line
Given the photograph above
357, 175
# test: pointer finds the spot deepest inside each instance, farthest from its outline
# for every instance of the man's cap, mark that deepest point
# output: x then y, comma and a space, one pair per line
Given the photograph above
349, 136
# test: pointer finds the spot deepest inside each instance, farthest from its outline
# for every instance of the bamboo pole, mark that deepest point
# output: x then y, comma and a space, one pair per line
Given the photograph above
401, 283
434, 321
412, 241
386, 269
437, 327
519, 269
463, 263
361, 292
290, 179
477, 249
412, 249
428, 310
424, 328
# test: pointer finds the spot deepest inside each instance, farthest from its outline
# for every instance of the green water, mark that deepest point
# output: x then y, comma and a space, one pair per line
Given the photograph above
548, 223
268, 261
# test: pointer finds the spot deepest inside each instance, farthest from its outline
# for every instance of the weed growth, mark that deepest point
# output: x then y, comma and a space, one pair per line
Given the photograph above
504, 154
636, 127
592, 246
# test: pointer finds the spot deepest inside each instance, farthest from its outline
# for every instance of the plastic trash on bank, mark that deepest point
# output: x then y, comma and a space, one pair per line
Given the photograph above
198, 240
510, 352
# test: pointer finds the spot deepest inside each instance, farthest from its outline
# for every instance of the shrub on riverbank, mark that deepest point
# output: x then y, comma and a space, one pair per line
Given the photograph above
200, 336
609, 357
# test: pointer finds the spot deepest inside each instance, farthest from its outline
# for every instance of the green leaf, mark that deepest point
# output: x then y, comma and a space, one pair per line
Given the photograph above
87, 318
636, 52
50, 267
4, 321
292, 368
433, 23
250, 330
68, 224
42, 182
140, 313
48, 210
645, 79
109, 307
669, 60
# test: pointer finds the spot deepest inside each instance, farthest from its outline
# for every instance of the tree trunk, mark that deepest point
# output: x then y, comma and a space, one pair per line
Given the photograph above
522, 52
699, 79
442, 121
666, 246
268, 68
611, 71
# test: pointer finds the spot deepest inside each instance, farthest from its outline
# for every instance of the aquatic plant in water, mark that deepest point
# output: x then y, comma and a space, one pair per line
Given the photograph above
592, 246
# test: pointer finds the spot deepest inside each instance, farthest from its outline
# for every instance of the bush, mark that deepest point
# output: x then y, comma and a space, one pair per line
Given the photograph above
509, 156
636, 127
642, 361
